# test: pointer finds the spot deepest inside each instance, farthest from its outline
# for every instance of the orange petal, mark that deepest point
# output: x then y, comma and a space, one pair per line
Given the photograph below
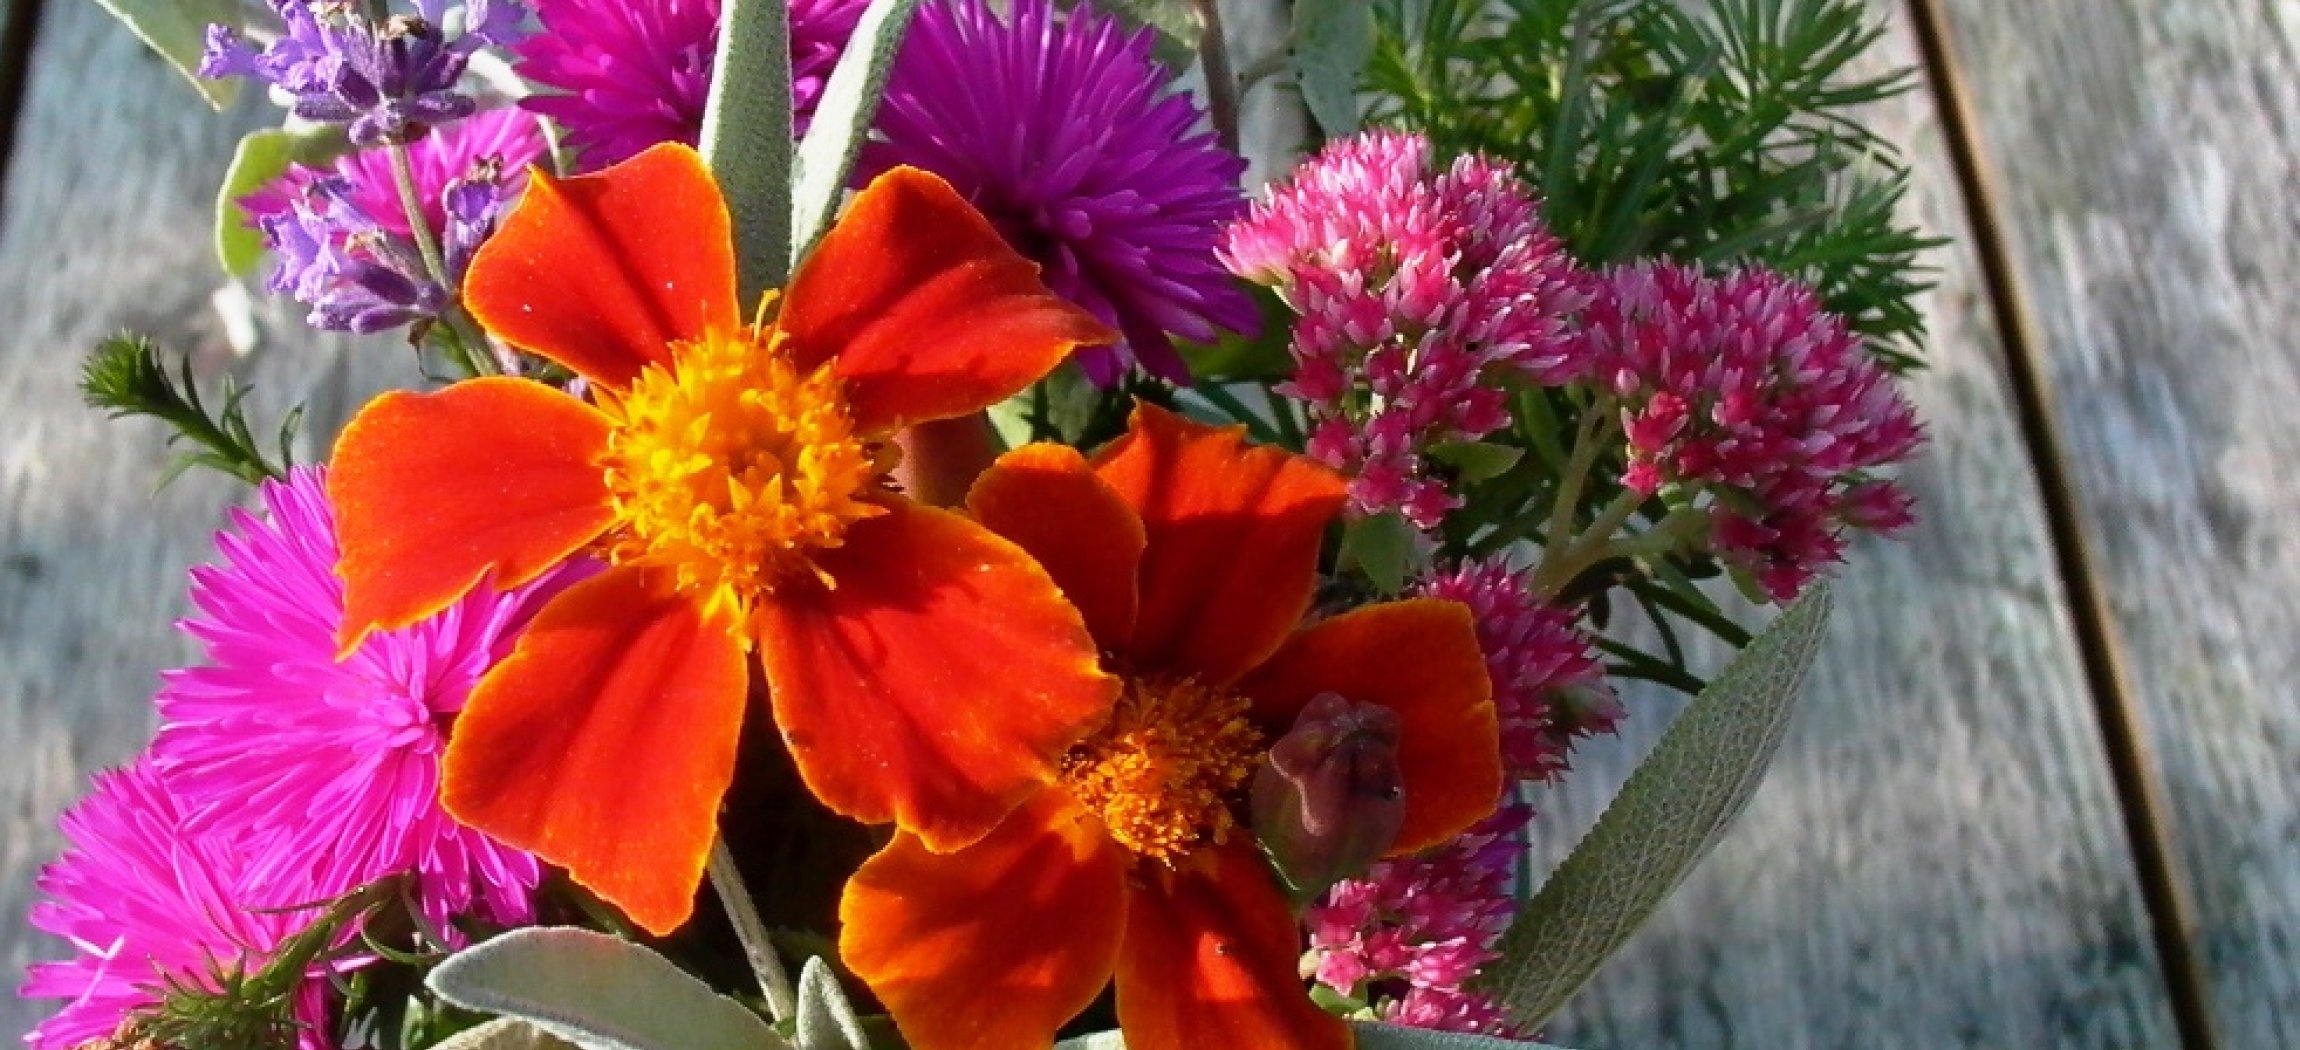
1047, 499
1233, 542
935, 682
927, 310
1210, 961
602, 272
995, 945
1419, 658
432, 491
603, 743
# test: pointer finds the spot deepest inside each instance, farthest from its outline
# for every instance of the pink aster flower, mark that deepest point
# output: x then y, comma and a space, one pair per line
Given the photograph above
1741, 389
145, 901
1547, 688
328, 771
1410, 936
623, 75
1073, 140
1420, 288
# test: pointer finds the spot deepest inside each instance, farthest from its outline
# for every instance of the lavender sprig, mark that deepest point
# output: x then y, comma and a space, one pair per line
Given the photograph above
390, 77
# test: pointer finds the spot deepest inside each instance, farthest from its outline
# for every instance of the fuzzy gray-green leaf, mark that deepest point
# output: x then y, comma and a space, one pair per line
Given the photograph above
1372, 1035
747, 139
1674, 808
843, 118
598, 992
826, 1019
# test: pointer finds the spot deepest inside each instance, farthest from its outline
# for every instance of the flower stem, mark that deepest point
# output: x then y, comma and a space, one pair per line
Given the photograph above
728, 882
1594, 545
1221, 80
1588, 439
463, 339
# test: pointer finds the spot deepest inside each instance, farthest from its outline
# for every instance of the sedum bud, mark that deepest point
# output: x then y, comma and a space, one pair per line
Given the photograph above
1327, 799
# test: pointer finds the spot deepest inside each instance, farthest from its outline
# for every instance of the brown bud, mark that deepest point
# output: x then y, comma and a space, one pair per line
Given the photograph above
1327, 799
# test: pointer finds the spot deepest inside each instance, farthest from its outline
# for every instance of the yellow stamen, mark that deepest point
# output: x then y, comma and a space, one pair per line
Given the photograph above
1163, 773
728, 467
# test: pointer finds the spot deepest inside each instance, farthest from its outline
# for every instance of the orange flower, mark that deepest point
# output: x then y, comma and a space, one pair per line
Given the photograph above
922, 670
1193, 560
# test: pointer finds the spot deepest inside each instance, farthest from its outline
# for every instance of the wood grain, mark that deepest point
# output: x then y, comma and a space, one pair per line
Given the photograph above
2148, 157
1937, 858
106, 229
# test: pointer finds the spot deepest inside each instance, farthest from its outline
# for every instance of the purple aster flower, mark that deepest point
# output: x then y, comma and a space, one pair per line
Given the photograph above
1069, 136
389, 79
627, 74
310, 761
146, 902
1421, 288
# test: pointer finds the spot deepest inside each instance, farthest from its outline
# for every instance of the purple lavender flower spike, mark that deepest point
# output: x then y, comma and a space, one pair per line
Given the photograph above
473, 203
355, 276
390, 80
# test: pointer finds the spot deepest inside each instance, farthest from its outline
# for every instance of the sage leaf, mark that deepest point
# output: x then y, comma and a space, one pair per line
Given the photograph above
597, 992
843, 119
747, 138
1675, 807
1372, 1035
178, 31
826, 1019
504, 1033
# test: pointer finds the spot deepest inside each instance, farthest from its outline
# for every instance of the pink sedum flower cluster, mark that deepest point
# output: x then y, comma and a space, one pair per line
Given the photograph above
1549, 690
1415, 930
1419, 289
1742, 388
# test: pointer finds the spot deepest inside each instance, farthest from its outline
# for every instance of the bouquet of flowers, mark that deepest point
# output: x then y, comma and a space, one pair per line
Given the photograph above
878, 499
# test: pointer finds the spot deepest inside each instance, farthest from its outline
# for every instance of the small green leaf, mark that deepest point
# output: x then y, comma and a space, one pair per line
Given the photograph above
1176, 22
826, 1019
1261, 356
1383, 547
842, 120
1476, 461
262, 156
1332, 41
178, 31
504, 1033
597, 992
1674, 808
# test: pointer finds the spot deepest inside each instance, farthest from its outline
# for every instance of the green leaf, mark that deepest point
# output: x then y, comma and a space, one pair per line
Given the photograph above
178, 31
826, 1019
1176, 22
1383, 547
842, 120
747, 138
1372, 1035
504, 1033
1262, 356
597, 992
1674, 808
1332, 41
1476, 461
264, 155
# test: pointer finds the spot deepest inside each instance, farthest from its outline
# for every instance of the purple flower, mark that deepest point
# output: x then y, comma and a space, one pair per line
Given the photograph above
631, 73
508, 138
339, 260
311, 762
146, 901
1741, 390
390, 79
1070, 138
1421, 289
1547, 688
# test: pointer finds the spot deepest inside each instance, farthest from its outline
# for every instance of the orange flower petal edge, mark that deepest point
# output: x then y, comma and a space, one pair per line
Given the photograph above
433, 491
1045, 498
1233, 536
927, 311
936, 683
604, 742
1210, 961
603, 272
1420, 659
998, 944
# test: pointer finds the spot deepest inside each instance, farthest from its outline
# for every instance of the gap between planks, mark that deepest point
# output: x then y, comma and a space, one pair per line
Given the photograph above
2139, 790
19, 31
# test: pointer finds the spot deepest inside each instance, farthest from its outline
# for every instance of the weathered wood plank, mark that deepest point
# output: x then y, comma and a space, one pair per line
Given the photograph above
1936, 859
108, 205
2148, 156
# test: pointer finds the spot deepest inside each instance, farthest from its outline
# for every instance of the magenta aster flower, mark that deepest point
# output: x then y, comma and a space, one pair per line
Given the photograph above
1547, 688
1420, 289
144, 901
1409, 937
306, 761
1070, 137
1742, 390
623, 75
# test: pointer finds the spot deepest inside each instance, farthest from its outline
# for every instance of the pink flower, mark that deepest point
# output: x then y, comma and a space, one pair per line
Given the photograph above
146, 901
1741, 389
1421, 289
512, 137
1547, 687
324, 772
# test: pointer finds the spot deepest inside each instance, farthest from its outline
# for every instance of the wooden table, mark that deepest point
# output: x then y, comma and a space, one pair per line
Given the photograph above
2041, 793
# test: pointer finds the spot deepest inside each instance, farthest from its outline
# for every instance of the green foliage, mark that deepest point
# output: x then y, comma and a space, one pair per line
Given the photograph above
598, 992
176, 30
1714, 133
843, 119
125, 377
255, 1010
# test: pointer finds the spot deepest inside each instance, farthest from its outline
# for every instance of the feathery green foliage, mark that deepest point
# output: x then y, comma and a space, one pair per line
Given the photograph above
125, 376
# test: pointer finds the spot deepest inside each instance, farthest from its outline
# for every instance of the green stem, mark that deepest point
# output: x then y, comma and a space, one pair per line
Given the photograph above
1592, 546
1221, 80
782, 1004
1588, 439
747, 138
462, 338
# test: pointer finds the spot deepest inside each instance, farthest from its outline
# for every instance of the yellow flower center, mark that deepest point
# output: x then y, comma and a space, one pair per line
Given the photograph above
1163, 772
729, 467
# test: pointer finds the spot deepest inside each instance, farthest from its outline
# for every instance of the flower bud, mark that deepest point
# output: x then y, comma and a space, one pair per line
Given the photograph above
1327, 799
